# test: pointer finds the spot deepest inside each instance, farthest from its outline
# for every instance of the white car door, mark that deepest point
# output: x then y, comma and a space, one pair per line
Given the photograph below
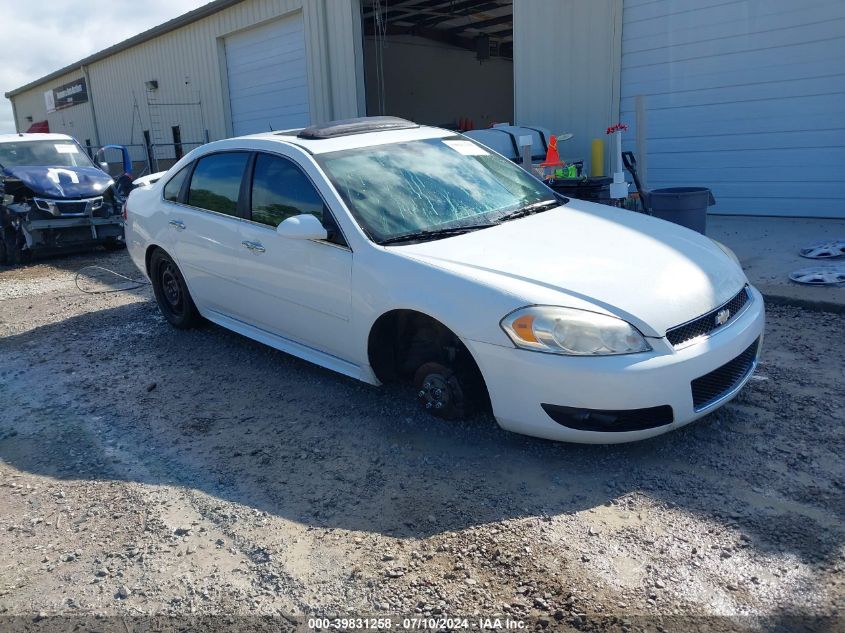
205, 230
295, 288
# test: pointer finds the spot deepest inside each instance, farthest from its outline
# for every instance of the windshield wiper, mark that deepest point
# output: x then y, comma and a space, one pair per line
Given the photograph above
530, 209
432, 234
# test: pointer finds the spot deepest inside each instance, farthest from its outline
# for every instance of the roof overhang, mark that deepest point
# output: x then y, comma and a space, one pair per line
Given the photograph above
459, 23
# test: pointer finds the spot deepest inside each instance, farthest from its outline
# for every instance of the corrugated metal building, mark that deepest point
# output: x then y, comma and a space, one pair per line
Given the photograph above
744, 97
195, 78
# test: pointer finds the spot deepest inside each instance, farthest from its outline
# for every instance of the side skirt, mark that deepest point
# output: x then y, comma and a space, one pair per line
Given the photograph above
364, 374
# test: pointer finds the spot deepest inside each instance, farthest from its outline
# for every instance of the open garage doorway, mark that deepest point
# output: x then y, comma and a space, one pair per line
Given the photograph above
439, 62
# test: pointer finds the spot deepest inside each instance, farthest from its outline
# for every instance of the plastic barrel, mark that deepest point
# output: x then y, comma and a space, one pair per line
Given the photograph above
592, 189
686, 206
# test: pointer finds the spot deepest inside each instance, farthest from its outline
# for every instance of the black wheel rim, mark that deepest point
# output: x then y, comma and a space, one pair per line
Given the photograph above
171, 288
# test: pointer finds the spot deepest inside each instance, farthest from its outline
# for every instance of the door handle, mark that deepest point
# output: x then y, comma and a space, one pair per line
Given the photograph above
177, 224
255, 247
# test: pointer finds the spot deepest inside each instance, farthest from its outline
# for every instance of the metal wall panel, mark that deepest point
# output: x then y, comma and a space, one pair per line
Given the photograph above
189, 66
743, 97
347, 77
76, 121
566, 68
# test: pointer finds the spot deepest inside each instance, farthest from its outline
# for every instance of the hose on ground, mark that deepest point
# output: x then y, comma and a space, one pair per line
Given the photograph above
135, 283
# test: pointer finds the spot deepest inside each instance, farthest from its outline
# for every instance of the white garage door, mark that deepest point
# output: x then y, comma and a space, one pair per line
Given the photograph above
746, 97
268, 87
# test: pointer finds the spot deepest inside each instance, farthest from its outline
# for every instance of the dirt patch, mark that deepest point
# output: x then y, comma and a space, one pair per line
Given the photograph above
148, 471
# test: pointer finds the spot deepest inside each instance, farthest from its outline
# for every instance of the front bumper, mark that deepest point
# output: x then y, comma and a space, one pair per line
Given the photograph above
71, 231
520, 381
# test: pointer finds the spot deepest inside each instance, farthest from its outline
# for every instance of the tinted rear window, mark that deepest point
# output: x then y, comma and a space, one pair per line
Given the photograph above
216, 182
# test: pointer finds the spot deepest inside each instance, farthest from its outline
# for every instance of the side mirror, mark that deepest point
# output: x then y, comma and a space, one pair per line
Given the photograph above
104, 166
302, 227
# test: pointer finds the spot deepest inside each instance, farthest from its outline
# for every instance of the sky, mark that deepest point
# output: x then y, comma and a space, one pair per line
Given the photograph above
40, 36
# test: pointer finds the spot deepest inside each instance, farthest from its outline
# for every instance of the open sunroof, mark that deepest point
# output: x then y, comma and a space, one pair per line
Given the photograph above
361, 125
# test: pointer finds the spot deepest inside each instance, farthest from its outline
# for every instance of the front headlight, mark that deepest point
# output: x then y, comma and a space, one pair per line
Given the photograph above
48, 206
572, 332
727, 251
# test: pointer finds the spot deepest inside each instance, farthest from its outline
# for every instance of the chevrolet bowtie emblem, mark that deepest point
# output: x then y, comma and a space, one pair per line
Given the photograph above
722, 316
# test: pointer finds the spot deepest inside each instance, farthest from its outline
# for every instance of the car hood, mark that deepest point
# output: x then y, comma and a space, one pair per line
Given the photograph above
62, 182
653, 273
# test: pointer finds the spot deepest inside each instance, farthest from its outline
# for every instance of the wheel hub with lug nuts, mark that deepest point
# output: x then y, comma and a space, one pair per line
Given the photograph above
435, 392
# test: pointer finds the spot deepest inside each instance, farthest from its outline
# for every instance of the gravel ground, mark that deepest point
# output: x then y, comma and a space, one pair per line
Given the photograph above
148, 471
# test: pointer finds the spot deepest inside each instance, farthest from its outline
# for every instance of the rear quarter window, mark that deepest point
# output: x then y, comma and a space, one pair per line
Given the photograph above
173, 188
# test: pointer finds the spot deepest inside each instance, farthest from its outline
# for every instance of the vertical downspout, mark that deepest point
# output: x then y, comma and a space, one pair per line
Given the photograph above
358, 51
617, 9
84, 70
327, 58
15, 115
516, 58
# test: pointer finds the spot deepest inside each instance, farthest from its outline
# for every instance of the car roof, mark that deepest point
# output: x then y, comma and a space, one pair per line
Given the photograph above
22, 137
352, 140
267, 140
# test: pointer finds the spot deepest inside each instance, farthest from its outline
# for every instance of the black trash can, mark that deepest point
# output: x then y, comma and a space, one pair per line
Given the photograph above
686, 206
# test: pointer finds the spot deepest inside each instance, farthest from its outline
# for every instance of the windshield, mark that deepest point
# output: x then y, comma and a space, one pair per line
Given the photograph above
429, 185
43, 153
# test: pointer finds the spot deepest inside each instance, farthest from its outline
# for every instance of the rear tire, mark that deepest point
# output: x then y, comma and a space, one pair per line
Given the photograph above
14, 242
171, 292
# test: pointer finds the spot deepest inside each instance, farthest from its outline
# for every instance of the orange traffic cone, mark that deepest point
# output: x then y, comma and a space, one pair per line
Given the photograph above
552, 157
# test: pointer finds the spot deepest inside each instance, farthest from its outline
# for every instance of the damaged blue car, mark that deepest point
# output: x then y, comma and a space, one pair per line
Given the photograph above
53, 196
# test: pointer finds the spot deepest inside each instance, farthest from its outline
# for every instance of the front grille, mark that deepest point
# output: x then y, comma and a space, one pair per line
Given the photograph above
610, 421
71, 208
720, 382
707, 323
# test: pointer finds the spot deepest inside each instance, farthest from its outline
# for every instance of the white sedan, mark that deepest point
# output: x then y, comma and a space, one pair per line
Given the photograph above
389, 251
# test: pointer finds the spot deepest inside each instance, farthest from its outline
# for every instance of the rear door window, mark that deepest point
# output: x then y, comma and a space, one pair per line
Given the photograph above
216, 182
